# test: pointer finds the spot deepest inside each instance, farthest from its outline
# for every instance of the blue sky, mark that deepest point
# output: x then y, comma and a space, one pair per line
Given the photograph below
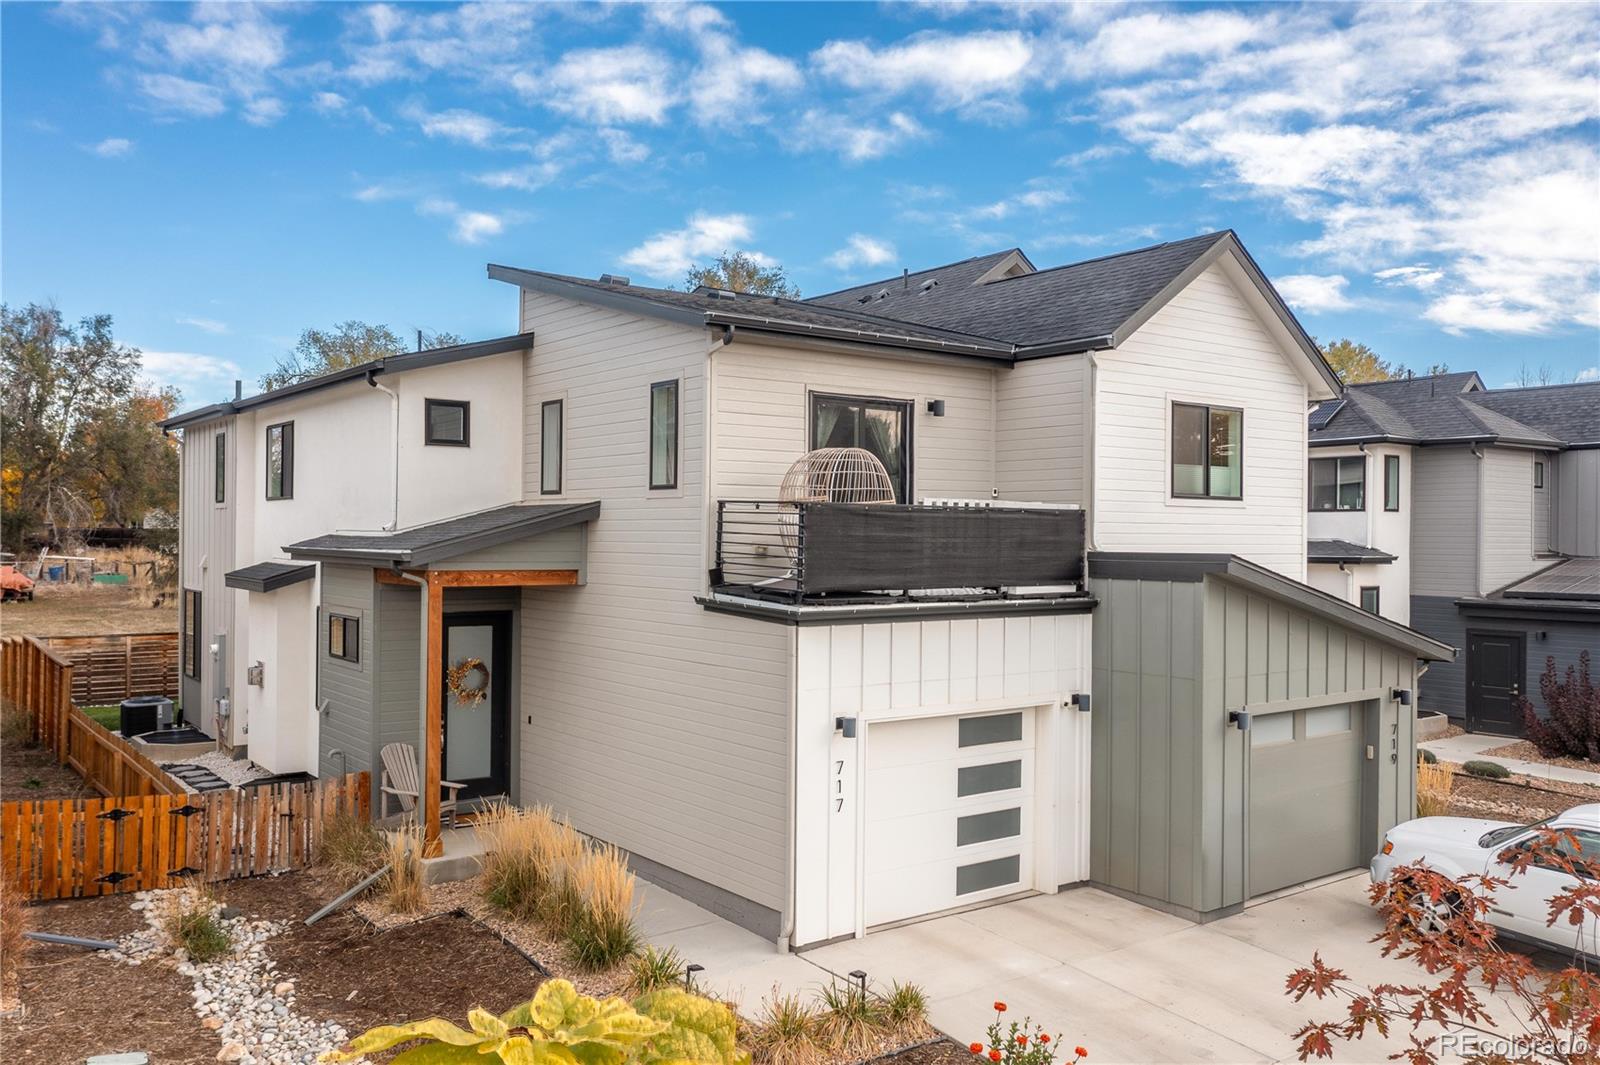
219, 177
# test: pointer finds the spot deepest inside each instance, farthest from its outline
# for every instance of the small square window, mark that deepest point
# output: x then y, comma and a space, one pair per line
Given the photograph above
1369, 599
449, 422
344, 637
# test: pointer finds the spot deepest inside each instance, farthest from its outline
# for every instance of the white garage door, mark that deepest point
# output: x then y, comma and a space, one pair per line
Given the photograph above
949, 812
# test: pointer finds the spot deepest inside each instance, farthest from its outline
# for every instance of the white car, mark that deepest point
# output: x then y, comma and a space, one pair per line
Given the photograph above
1461, 846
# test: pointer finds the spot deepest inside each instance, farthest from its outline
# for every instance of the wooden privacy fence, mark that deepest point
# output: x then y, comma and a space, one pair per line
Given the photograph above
76, 848
109, 669
40, 682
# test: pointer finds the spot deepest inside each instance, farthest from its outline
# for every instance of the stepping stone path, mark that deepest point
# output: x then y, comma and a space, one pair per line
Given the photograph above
197, 778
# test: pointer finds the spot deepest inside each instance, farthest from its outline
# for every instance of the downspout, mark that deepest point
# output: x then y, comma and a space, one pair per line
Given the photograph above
394, 439
1090, 481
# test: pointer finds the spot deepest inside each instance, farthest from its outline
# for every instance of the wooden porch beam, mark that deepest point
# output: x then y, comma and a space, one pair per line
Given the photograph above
433, 728
485, 578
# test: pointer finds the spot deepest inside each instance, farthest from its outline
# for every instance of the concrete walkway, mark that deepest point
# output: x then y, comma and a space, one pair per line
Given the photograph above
1128, 982
1469, 747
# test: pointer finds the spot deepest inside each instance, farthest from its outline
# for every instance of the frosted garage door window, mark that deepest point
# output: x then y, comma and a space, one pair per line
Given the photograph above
996, 728
996, 776
1274, 728
981, 876
1327, 721
981, 828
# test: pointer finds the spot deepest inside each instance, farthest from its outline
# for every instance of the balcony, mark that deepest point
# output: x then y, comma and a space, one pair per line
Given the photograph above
813, 554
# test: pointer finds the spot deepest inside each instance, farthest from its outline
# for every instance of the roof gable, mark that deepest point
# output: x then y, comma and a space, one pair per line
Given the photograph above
1456, 408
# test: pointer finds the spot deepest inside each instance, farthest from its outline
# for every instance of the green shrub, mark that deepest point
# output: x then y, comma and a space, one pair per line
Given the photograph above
1428, 757
851, 1020
1489, 770
905, 1008
788, 1031
652, 969
190, 922
16, 725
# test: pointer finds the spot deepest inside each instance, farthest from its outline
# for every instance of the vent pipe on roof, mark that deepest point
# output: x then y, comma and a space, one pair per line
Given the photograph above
905, 278
238, 390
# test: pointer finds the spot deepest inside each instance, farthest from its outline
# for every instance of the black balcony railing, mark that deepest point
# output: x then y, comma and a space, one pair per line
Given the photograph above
832, 552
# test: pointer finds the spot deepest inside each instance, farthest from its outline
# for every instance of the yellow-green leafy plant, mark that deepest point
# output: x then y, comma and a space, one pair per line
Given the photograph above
559, 1026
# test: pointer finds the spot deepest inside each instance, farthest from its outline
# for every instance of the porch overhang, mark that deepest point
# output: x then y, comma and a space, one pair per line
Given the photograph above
268, 576
440, 541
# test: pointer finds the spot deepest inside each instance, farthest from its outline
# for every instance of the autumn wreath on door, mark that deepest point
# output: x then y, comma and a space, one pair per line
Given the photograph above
468, 682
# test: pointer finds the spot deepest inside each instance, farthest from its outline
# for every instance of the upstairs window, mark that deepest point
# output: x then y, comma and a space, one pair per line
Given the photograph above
1538, 475
881, 426
344, 637
448, 422
664, 434
221, 457
191, 633
1391, 482
550, 442
1369, 599
1207, 452
1339, 484
280, 461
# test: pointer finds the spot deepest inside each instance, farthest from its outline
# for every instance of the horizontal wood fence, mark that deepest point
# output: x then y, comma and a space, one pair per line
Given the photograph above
38, 681
75, 848
109, 669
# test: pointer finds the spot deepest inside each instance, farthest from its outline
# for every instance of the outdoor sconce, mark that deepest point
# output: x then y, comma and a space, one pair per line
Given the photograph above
1081, 700
936, 407
1402, 696
1239, 719
846, 725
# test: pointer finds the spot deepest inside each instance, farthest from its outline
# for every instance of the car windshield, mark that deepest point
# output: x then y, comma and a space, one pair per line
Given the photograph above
1499, 836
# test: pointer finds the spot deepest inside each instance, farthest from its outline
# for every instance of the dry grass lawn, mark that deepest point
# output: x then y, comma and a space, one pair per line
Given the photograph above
92, 611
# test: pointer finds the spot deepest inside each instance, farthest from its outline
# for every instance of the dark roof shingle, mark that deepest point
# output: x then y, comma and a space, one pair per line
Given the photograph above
1438, 409
1344, 551
446, 539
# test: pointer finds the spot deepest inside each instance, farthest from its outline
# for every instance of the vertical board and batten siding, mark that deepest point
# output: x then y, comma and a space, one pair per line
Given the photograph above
206, 553
1205, 346
1444, 523
1544, 531
1443, 689
1171, 658
1578, 503
761, 421
914, 669
655, 725
345, 737
398, 708
1040, 431
1507, 546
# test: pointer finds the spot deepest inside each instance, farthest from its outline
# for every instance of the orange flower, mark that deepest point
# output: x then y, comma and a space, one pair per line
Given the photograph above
1082, 1053
1022, 1040
1000, 1007
976, 1048
1043, 1038
994, 1055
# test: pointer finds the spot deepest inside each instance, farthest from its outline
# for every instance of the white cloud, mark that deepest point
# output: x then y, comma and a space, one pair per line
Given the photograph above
173, 95
1035, 199
334, 104
467, 226
1460, 312
227, 36
206, 325
1588, 373
1150, 40
1314, 293
948, 70
856, 139
112, 147
862, 250
457, 124
607, 85
704, 235
329, 103
528, 178
1420, 276
411, 42
263, 110
187, 371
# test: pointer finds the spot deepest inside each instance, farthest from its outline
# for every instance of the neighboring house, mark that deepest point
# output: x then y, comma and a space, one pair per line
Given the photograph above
1079, 648
1469, 514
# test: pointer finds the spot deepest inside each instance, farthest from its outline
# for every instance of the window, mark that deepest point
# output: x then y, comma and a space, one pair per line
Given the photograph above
1369, 599
344, 637
1339, 484
1391, 482
664, 434
222, 468
1327, 721
550, 448
191, 633
994, 728
1207, 452
1538, 475
449, 422
280, 461
881, 426
1273, 728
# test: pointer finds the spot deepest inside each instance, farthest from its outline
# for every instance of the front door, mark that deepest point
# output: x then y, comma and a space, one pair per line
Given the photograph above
1496, 665
477, 690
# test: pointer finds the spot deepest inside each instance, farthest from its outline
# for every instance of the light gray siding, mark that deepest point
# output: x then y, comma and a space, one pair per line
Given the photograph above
1040, 430
399, 637
1508, 518
1544, 505
1578, 503
560, 549
1170, 776
1444, 523
205, 554
346, 689
1444, 687
654, 725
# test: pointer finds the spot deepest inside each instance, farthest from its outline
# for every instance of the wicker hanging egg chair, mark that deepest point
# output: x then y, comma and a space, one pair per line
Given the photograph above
837, 475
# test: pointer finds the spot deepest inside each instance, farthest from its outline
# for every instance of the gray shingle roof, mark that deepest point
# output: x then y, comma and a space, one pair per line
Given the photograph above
421, 544
1344, 551
1577, 578
1439, 409
269, 576
1077, 301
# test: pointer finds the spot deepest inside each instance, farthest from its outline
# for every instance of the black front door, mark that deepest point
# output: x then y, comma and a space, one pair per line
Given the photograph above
477, 701
1496, 666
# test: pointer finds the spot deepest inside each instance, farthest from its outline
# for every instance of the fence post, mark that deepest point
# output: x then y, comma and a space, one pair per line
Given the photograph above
64, 712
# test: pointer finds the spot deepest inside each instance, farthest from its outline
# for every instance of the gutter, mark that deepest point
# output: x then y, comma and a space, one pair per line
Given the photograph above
790, 614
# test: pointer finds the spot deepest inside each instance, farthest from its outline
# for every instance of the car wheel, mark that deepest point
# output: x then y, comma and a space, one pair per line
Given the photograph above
1426, 916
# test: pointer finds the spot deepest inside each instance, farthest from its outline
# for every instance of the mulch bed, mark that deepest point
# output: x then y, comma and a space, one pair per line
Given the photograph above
939, 1052
1525, 751
1507, 801
31, 773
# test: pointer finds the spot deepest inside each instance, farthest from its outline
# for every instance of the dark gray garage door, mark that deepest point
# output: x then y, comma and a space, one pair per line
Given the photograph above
1305, 795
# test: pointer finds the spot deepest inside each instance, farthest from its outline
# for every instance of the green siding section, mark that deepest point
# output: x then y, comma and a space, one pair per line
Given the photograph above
345, 739
1170, 776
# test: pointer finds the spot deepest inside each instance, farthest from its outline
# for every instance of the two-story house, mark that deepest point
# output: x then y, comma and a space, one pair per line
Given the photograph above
1078, 645
1472, 514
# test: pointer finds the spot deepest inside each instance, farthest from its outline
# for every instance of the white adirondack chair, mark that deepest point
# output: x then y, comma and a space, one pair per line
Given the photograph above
403, 779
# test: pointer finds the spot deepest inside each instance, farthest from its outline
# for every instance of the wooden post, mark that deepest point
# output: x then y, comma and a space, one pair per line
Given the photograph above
63, 713
432, 771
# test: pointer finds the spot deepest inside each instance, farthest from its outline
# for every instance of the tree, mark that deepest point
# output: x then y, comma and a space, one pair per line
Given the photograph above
1355, 363
1442, 925
320, 351
739, 272
126, 465
60, 381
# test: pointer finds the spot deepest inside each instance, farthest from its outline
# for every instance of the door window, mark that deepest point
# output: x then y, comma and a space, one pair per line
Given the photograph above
881, 426
469, 720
